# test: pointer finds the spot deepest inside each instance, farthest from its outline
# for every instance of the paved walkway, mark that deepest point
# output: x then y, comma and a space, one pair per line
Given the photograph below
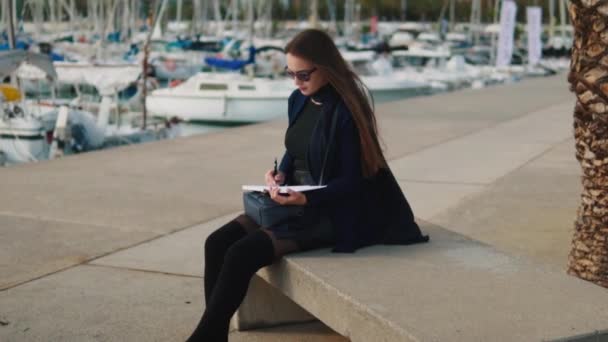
107, 246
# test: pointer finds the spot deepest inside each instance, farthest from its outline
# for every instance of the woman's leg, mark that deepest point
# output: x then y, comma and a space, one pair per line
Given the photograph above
242, 260
218, 243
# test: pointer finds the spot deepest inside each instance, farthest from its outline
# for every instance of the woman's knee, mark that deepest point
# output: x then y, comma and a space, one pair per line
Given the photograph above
219, 241
213, 244
239, 251
256, 248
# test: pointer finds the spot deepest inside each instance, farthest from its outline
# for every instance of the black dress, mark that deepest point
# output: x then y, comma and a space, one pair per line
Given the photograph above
308, 235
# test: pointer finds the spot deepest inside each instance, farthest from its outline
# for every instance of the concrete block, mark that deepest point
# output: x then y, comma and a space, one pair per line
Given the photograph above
264, 306
452, 289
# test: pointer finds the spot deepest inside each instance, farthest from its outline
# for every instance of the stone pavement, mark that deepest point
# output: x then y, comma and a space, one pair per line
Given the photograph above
107, 246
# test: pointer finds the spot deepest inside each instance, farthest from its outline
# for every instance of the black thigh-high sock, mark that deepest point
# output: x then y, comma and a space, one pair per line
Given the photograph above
242, 260
216, 246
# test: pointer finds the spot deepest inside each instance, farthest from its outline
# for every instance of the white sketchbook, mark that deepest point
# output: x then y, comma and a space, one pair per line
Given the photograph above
283, 189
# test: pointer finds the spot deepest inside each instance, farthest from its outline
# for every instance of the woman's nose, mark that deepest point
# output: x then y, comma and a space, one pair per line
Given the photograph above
297, 82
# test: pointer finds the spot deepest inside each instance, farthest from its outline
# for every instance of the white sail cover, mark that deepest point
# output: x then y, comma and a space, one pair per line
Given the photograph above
108, 79
11, 60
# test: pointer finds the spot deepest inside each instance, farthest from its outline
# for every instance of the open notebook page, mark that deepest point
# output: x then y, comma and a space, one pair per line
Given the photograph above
283, 189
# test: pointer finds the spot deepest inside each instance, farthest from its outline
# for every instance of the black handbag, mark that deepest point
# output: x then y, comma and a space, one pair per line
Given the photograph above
266, 212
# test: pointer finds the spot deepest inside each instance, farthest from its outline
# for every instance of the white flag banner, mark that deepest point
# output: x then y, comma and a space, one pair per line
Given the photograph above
534, 15
507, 29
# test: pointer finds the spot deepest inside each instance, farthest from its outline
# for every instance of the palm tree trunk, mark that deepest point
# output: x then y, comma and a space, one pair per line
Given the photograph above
589, 81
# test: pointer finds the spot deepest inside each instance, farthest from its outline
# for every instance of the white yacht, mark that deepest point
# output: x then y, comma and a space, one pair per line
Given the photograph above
377, 73
438, 66
222, 98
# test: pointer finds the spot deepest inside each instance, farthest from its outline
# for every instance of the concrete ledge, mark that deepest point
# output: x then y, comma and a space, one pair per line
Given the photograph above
452, 289
264, 306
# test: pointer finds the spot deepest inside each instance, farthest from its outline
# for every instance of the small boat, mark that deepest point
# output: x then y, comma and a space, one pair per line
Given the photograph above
222, 99
377, 73
34, 131
437, 66
21, 138
27, 135
177, 65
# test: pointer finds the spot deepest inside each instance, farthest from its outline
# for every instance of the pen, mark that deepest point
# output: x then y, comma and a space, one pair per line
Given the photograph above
274, 173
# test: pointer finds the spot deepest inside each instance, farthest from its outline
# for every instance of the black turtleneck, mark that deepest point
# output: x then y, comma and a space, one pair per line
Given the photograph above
324, 93
298, 135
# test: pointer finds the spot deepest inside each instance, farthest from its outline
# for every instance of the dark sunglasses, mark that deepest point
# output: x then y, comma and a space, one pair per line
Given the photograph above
302, 75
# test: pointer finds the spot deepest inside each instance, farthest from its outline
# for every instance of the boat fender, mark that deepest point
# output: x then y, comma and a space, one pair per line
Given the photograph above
175, 83
49, 136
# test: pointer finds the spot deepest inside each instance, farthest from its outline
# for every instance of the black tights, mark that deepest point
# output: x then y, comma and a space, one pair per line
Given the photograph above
233, 254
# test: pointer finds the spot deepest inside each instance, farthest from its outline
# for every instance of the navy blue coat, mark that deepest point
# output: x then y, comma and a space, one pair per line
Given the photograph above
363, 211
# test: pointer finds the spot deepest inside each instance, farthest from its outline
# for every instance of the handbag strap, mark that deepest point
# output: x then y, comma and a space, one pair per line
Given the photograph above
332, 132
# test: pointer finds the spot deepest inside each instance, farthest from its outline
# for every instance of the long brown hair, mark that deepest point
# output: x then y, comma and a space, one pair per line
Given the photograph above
318, 47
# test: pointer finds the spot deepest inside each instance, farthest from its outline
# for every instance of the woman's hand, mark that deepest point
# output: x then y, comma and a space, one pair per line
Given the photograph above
292, 198
274, 180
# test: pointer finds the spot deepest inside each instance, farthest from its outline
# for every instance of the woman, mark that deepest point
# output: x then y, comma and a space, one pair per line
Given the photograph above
362, 203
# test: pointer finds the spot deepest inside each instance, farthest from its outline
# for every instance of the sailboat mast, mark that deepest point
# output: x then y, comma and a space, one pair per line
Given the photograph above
72, 6
235, 10
3, 20
551, 19
158, 14
494, 35
348, 18
250, 18
314, 14
562, 20
98, 13
12, 15
204, 17
196, 12
358, 21
269, 19
331, 7
126, 16
217, 14
52, 11
178, 15
452, 14
475, 21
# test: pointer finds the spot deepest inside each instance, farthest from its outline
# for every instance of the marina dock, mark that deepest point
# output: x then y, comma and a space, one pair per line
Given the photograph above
108, 245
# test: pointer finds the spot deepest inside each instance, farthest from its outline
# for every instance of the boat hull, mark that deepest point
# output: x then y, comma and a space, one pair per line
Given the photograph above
218, 109
22, 144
